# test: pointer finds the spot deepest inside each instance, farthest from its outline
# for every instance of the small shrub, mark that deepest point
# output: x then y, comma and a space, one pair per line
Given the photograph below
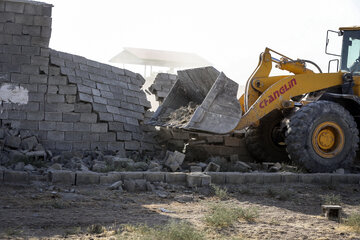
11, 232
96, 229
284, 195
221, 193
271, 192
353, 221
332, 199
249, 214
72, 231
222, 216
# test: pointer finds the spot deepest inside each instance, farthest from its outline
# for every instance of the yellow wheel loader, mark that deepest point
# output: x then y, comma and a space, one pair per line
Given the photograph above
307, 117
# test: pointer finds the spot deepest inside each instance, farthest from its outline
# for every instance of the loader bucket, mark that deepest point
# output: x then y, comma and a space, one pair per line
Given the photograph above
202, 99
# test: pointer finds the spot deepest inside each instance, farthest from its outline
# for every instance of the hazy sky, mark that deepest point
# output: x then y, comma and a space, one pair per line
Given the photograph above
229, 33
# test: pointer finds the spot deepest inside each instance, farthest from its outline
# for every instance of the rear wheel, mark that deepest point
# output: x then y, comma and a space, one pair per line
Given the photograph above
266, 142
322, 137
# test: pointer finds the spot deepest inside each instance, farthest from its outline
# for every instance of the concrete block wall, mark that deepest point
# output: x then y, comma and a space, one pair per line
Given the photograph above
71, 103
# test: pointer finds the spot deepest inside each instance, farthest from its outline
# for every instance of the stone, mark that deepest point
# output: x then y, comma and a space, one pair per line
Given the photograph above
150, 187
122, 162
99, 166
140, 166
195, 169
340, 171
184, 198
29, 143
12, 141
56, 166
129, 185
140, 184
29, 168
19, 166
212, 167
116, 185
198, 180
173, 160
241, 167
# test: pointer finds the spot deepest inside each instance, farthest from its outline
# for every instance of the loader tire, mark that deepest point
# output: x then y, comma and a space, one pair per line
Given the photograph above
322, 137
261, 143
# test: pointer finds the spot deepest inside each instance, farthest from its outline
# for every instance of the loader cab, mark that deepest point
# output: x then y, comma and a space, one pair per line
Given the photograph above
350, 53
350, 50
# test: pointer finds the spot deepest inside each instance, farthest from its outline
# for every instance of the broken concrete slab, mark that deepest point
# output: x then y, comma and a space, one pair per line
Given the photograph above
212, 167
116, 185
173, 160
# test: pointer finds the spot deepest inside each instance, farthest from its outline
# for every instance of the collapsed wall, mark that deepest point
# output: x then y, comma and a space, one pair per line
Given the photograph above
69, 102
198, 146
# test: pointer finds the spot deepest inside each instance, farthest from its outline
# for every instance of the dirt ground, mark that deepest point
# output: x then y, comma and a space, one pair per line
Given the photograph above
41, 211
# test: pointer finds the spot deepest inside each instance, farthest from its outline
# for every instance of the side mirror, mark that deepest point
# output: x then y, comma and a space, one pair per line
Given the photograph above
338, 33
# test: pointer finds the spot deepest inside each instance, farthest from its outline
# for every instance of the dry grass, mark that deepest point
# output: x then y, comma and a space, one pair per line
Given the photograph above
220, 193
173, 230
223, 216
353, 221
332, 199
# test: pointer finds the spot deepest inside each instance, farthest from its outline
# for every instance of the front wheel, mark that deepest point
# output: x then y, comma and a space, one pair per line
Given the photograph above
322, 137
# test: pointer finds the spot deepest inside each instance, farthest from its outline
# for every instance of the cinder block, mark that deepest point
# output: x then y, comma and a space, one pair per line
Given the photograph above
108, 137
16, 7
115, 126
99, 127
272, 178
289, 177
85, 97
315, 178
232, 141
116, 146
133, 175
42, 21
64, 126
198, 179
339, 179
68, 89
57, 80
217, 177
55, 98
71, 117
254, 178
353, 178
16, 176
62, 177
154, 176
111, 177
88, 117
63, 146
132, 145
107, 117
35, 116
82, 127
176, 178
235, 178
83, 178
84, 89
53, 116
33, 9
83, 107
55, 136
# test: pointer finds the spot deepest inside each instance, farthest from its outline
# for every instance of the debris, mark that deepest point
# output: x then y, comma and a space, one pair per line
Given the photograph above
29, 167
198, 180
195, 169
56, 166
173, 160
165, 210
182, 115
212, 167
19, 166
116, 186
129, 185
184, 198
340, 171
